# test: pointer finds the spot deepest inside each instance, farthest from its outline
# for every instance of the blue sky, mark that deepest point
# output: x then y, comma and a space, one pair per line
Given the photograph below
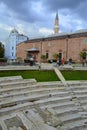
36, 17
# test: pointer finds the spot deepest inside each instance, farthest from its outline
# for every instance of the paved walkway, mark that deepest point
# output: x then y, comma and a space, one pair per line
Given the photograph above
45, 66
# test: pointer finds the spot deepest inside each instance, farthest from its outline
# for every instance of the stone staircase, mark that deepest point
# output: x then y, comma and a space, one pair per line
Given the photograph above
29, 105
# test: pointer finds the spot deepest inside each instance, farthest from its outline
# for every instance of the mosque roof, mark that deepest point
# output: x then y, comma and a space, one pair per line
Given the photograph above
14, 31
81, 31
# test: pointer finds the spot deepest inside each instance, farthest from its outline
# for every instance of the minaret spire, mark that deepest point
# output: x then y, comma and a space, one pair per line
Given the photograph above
56, 25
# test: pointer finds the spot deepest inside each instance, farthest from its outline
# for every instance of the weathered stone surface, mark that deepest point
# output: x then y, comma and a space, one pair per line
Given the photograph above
43, 106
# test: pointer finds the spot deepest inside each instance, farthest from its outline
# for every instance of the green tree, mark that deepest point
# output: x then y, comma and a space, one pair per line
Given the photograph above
83, 55
43, 57
2, 50
55, 56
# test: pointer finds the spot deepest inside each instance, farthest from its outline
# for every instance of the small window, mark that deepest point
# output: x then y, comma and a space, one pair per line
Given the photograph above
60, 55
12, 54
12, 48
47, 55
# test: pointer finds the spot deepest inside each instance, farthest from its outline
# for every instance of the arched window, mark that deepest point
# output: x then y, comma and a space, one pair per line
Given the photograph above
47, 54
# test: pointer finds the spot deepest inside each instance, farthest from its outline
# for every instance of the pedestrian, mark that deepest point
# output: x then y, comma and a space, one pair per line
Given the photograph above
59, 62
70, 61
63, 61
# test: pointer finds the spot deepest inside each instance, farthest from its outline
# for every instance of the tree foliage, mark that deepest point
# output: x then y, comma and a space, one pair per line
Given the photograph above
56, 56
83, 55
43, 57
1, 50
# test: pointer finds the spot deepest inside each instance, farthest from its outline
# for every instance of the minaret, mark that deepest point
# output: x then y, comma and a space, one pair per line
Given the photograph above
56, 25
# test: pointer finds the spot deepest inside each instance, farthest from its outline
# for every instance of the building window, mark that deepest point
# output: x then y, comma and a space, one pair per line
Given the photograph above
47, 55
12, 54
12, 48
60, 55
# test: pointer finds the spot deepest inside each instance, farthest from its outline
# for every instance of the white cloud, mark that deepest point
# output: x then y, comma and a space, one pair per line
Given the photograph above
45, 31
36, 17
69, 22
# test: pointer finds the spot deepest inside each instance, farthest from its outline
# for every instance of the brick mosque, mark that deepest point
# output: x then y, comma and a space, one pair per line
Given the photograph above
67, 45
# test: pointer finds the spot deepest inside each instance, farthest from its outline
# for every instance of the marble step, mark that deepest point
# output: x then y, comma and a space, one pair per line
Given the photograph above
16, 108
27, 98
56, 103
10, 79
64, 111
8, 106
17, 83
61, 108
77, 117
33, 123
84, 104
76, 83
82, 87
76, 126
7, 96
82, 97
43, 84
81, 92
77, 123
34, 86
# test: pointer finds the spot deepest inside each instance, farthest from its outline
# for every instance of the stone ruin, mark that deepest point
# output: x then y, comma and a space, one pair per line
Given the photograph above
30, 105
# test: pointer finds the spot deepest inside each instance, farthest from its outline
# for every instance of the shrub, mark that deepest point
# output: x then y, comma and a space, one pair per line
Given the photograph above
3, 60
26, 60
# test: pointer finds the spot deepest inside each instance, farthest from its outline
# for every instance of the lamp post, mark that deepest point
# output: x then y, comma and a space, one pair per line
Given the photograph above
41, 52
67, 48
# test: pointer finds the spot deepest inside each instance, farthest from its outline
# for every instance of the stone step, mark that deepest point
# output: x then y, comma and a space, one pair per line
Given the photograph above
3, 125
76, 88
62, 105
53, 99
26, 98
57, 83
10, 79
65, 111
17, 83
61, 108
76, 83
15, 108
81, 92
70, 116
77, 125
11, 106
78, 122
7, 96
82, 97
34, 124
34, 86
84, 104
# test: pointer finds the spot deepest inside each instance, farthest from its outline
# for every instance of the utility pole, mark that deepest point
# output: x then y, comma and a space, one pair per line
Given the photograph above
67, 47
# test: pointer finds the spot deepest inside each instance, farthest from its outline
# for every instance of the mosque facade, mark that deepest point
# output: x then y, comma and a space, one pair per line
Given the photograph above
66, 45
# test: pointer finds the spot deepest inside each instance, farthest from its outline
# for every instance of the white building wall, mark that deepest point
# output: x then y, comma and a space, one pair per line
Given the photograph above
10, 45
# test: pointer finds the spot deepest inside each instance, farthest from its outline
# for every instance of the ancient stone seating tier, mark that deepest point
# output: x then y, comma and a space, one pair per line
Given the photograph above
29, 105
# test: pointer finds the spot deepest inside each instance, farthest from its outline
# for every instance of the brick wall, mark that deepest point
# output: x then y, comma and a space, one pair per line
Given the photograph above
69, 47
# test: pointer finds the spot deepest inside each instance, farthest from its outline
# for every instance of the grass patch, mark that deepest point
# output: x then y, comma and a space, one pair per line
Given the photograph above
75, 74
40, 76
